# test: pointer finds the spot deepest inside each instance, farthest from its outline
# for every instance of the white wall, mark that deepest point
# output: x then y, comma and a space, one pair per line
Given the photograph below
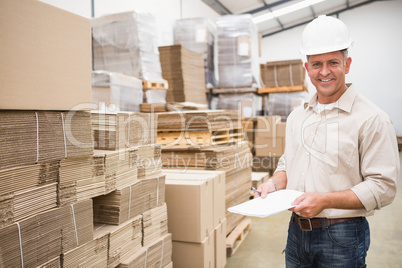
376, 53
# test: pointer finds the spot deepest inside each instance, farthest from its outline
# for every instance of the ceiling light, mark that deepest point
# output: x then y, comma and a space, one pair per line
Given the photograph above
285, 10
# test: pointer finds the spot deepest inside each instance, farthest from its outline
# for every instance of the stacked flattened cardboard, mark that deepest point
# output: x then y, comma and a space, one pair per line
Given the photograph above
28, 137
149, 163
116, 92
198, 35
285, 84
157, 254
21, 185
79, 179
126, 203
124, 239
184, 70
43, 237
114, 131
155, 224
198, 128
283, 74
92, 254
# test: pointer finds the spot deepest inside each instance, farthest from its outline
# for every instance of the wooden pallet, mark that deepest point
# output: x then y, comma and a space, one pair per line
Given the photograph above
282, 89
234, 90
155, 85
237, 236
199, 137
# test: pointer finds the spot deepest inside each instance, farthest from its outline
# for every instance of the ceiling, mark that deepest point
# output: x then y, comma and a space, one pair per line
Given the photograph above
278, 11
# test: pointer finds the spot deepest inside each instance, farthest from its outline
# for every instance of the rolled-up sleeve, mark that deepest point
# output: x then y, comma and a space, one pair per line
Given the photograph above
380, 166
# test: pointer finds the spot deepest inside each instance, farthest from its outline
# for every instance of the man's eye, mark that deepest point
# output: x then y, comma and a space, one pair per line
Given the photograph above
334, 63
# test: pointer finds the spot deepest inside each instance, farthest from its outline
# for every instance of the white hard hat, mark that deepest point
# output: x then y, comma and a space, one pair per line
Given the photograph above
324, 34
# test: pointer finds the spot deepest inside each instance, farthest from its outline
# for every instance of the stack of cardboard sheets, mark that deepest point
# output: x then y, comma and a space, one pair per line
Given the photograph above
283, 73
79, 179
124, 204
91, 254
21, 186
184, 70
44, 236
124, 239
28, 137
114, 131
119, 167
155, 224
198, 120
149, 161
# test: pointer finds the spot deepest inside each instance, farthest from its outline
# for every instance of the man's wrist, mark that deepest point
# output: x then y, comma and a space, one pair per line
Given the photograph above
274, 183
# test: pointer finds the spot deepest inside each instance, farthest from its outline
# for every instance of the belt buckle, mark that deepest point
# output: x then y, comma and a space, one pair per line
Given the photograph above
309, 222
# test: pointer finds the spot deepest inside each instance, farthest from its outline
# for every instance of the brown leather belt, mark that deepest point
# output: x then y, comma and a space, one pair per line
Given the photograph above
307, 224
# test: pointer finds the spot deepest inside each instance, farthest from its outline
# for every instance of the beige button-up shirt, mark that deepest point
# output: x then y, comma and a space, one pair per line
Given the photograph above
351, 146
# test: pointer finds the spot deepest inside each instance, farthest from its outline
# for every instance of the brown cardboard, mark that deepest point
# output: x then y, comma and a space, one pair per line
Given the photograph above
194, 255
220, 245
281, 129
259, 178
283, 73
269, 147
267, 126
45, 57
218, 179
190, 209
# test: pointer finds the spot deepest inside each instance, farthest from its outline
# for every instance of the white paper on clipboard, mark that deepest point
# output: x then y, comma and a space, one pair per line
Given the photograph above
274, 203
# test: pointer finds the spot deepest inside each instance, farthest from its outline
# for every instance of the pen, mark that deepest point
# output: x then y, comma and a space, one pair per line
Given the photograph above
255, 191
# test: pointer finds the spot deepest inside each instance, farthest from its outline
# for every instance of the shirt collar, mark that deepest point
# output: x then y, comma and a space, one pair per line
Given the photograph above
345, 102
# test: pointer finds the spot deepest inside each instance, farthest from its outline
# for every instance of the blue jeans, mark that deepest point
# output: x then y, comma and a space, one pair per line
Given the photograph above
340, 245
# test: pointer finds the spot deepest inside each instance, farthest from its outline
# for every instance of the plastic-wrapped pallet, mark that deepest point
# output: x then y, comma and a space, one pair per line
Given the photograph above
198, 35
127, 43
282, 103
249, 104
237, 51
115, 92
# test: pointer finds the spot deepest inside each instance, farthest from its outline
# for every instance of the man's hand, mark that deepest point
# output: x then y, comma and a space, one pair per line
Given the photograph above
265, 189
309, 204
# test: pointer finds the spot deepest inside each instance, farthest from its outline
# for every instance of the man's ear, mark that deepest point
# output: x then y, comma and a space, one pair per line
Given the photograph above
306, 66
347, 67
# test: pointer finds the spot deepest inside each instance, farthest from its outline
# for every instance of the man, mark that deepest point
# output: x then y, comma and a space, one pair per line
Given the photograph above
341, 151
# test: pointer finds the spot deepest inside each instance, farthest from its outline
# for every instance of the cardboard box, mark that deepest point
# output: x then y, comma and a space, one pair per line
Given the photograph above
195, 255
220, 245
190, 209
269, 146
267, 126
218, 179
259, 178
45, 57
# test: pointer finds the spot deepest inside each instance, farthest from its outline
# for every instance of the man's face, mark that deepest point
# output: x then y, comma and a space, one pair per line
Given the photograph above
327, 73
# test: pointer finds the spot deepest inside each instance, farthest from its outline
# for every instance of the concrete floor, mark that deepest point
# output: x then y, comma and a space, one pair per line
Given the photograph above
266, 240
